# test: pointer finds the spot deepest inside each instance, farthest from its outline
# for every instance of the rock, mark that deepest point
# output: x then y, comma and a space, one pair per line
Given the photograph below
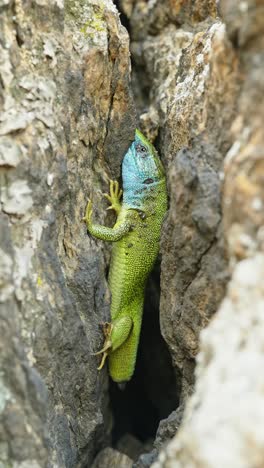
68, 117
193, 82
166, 431
168, 428
110, 458
146, 459
131, 446
223, 419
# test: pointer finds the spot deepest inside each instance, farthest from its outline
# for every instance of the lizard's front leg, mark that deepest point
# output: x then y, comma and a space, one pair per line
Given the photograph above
103, 232
115, 334
117, 331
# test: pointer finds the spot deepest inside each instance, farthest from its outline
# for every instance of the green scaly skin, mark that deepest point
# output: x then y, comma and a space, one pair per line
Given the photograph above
135, 237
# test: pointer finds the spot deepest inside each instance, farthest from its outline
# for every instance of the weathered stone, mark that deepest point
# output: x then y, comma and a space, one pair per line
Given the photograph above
168, 428
166, 431
192, 80
110, 458
223, 419
67, 117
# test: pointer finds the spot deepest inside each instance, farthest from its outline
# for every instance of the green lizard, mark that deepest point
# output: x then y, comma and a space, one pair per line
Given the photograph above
136, 236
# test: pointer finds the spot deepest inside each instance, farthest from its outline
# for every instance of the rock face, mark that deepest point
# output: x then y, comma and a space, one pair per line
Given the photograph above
223, 420
67, 117
192, 80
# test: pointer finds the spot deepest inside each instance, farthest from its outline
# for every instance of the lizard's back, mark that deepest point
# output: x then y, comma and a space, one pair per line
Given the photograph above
132, 260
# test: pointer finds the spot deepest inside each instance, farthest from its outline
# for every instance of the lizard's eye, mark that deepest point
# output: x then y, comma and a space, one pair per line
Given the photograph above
142, 150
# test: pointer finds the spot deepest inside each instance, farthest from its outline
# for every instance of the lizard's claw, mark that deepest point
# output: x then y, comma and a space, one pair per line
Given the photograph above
114, 190
102, 361
114, 196
88, 212
107, 330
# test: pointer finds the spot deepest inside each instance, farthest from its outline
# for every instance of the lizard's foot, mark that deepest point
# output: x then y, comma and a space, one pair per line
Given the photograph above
115, 334
88, 213
114, 196
107, 330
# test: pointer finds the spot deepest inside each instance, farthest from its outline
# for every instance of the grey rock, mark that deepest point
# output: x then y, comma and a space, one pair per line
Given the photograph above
68, 104
110, 458
67, 118
168, 428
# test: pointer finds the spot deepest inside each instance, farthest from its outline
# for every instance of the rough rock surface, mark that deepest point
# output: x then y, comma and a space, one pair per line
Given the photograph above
166, 430
109, 458
191, 77
224, 418
66, 119
223, 422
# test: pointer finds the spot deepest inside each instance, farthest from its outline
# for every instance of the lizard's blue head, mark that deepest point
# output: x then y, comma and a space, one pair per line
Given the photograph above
141, 169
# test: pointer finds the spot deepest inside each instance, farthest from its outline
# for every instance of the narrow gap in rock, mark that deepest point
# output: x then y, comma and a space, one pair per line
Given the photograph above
123, 18
152, 394
139, 77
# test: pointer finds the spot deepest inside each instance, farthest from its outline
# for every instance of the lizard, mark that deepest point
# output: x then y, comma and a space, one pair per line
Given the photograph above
135, 237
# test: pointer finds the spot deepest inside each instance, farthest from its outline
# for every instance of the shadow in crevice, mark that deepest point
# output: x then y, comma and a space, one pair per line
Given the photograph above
123, 17
153, 392
140, 79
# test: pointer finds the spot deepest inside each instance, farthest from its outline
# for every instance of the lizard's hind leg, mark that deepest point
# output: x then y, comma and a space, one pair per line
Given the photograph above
115, 334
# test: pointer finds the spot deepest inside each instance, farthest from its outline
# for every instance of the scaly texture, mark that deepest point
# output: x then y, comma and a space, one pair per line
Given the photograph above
136, 235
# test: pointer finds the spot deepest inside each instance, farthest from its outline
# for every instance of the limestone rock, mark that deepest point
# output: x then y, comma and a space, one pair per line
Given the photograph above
223, 419
109, 458
66, 118
192, 83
